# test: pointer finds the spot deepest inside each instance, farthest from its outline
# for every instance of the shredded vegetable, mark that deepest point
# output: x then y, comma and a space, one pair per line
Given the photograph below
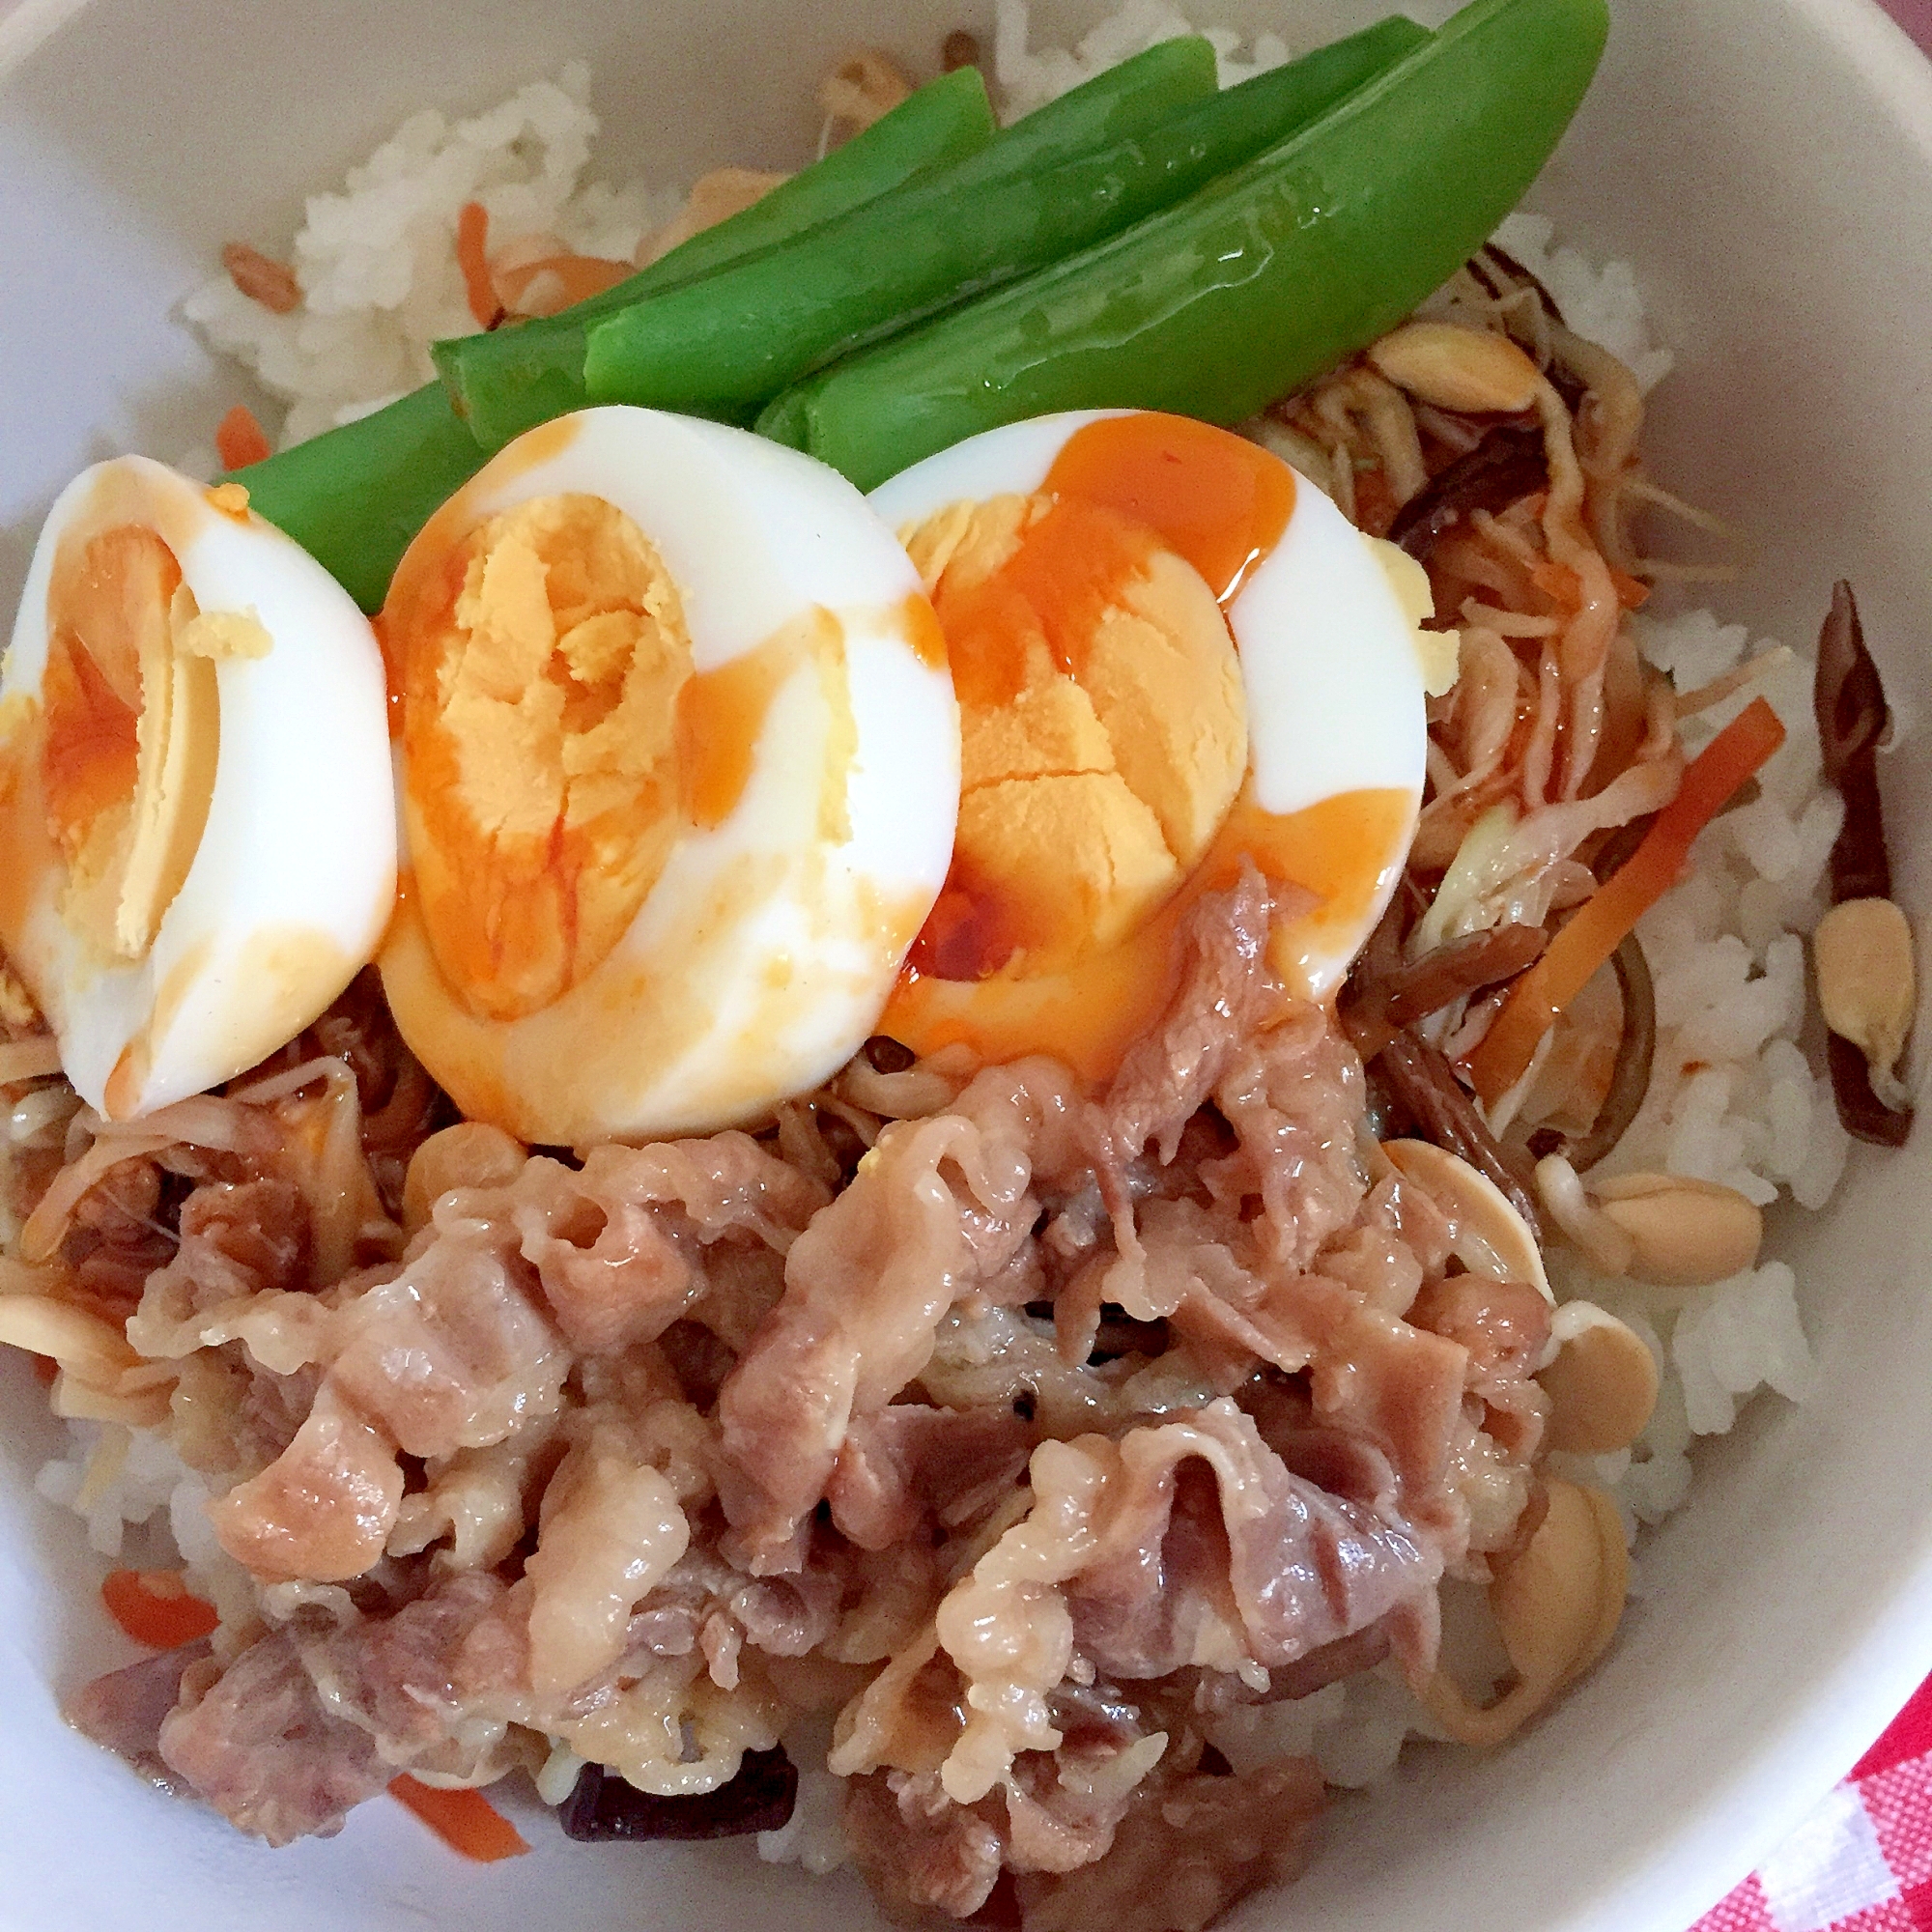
465, 1821
156, 1607
1600, 927
239, 440
472, 257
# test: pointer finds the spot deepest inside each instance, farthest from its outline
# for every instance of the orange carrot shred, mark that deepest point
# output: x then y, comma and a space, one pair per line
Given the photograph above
1711, 781
472, 257
465, 1821
154, 1607
241, 440
1632, 593
560, 282
1559, 583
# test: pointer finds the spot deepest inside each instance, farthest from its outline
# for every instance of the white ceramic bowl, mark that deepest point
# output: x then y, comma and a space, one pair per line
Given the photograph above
1768, 164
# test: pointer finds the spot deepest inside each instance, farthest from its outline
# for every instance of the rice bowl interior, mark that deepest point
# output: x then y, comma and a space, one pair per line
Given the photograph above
1776, 1629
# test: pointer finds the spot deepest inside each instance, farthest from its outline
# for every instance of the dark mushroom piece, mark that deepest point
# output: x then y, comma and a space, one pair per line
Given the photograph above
1848, 699
1421, 1082
1471, 964
603, 1808
1505, 467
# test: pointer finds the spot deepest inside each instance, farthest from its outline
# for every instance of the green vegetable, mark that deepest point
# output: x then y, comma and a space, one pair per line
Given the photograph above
355, 497
1255, 283
529, 374
510, 380
726, 344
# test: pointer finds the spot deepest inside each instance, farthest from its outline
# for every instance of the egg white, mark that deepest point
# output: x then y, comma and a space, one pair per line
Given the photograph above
294, 877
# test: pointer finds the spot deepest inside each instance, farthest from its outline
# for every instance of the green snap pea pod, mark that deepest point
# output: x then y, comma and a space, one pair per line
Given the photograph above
352, 497
723, 346
355, 496
1255, 283
509, 380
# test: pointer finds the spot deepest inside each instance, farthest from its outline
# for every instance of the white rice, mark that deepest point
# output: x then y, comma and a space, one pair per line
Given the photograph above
1734, 1096
377, 261
112, 1477
1601, 304
814, 1835
1028, 80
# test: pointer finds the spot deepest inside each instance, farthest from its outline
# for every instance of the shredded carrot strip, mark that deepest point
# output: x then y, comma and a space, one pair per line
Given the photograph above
465, 1821
154, 1607
1632, 593
1559, 583
1600, 925
472, 244
560, 281
241, 440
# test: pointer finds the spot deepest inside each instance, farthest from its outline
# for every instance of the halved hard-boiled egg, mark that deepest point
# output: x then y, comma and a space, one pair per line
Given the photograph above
680, 764
196, 796
1170, 652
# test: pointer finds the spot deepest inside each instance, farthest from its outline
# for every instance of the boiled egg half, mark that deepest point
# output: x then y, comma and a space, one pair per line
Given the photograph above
679, 771
1171, 653
195, 798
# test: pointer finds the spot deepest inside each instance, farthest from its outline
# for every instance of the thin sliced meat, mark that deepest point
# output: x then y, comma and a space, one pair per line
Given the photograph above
1143, 1572
259, 1747
242, 1271
1224, 990
125, 1710
919, 1852
1186, 1850
1294, 1097
1503, 1324
940, 1207
1395, 1386
1299, 1567
456, 1350
323, 1509
620, 1245
435, 1668
911, 1464
611, 1530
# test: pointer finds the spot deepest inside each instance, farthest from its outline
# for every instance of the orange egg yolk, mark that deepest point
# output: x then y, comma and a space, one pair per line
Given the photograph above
131, 733
1103, 729
559, 744
540, 696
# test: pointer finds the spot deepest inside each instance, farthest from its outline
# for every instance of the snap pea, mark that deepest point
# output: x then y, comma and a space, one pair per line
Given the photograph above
355, 496
1253, 284
352, 497
723, 345
524, 376
509, 380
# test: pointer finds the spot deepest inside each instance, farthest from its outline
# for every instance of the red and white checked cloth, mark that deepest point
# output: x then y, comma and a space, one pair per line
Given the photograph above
1863, 1860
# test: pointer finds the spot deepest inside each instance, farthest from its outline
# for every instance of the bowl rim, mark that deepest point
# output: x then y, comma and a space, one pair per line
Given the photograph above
1846, 1705
1850, 1703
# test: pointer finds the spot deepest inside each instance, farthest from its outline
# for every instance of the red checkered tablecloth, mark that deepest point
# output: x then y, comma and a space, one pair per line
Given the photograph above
1863, 1860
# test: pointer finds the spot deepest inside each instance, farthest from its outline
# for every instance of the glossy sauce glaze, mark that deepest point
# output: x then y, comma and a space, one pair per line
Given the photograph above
1346, 853
1123, 490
